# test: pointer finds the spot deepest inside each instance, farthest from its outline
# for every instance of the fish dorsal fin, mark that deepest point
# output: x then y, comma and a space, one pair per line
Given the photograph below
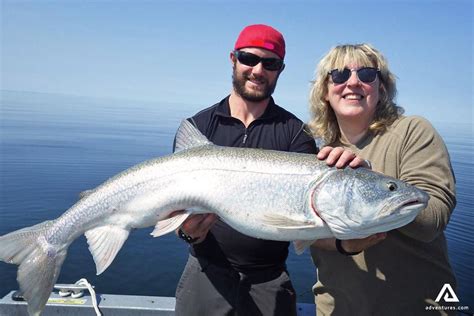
280, 221
170, 224
104, 244
188, 136
85, 193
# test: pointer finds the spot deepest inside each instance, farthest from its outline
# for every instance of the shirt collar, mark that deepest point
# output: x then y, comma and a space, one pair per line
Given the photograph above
364, 141
223, 109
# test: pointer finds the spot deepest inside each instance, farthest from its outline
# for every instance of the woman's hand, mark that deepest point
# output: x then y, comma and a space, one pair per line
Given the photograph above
351, 245
340, 157
358, 245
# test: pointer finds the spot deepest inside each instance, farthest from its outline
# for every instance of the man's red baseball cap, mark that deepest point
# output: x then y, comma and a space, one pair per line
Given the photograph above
261, 36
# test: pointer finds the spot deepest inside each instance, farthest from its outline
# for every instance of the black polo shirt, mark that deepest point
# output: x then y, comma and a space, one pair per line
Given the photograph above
276, 129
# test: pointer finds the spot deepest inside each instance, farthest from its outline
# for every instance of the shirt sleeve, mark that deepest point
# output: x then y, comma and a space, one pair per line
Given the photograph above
303, 142
425, 163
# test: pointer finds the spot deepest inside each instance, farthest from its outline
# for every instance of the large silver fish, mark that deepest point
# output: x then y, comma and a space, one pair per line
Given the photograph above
262, 193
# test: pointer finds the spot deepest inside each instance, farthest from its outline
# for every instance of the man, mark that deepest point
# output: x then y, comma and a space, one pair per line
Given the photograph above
229, 273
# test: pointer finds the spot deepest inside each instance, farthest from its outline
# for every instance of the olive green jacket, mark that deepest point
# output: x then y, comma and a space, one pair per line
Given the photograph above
403, 274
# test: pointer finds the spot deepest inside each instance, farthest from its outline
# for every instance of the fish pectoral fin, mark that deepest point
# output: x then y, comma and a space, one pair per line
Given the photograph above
301, 245
170, 224
104, 244
280, 221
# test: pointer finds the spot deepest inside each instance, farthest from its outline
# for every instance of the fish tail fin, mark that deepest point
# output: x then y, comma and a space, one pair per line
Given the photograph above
39, 263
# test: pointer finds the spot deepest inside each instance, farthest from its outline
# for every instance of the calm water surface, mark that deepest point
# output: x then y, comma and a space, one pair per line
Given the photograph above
54, 146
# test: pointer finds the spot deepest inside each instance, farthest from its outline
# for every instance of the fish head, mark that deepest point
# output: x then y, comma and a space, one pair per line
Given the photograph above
356, 203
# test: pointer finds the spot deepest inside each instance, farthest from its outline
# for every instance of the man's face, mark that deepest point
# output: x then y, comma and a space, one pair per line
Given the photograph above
255, 83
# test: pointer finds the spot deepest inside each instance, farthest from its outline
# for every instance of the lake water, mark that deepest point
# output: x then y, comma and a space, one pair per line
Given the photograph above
52, 147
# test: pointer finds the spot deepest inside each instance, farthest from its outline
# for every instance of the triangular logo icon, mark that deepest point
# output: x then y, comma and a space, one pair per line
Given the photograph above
447, 294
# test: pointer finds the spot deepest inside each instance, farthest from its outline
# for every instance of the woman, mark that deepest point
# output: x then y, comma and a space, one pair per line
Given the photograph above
352, 105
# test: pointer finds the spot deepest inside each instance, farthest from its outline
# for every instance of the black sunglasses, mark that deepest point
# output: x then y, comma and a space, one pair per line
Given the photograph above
249, 59
365, 74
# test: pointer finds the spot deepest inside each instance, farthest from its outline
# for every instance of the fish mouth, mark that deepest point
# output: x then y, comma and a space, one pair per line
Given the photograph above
413, 204
395, 214
399, 216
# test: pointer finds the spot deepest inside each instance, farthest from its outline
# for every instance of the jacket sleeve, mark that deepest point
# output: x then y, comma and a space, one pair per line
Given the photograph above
425, 163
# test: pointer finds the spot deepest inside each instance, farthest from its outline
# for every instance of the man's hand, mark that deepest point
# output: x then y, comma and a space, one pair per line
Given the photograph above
340, 157
198, 225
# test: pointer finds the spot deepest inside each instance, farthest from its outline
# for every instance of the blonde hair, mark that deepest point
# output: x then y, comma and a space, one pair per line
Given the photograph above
323, 122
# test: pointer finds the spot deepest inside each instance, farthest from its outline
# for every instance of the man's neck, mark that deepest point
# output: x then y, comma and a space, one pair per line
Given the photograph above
246, 111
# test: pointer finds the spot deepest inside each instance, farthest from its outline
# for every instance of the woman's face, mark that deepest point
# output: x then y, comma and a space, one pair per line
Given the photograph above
353, 99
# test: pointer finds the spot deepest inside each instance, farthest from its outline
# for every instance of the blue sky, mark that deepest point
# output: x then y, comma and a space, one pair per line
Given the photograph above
177, 51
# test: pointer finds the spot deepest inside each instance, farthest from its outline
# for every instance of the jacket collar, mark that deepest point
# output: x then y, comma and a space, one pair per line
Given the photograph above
223, 109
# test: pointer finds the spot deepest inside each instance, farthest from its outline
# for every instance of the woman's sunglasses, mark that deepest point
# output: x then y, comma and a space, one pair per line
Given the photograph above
365, 74
249, 59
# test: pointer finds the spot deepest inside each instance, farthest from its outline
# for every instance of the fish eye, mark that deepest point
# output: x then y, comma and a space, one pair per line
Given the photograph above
392, 186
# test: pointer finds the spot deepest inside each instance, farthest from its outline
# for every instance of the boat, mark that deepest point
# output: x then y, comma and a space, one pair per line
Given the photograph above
80, 299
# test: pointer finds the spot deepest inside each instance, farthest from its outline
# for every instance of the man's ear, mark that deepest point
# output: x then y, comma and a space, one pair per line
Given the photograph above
233, 60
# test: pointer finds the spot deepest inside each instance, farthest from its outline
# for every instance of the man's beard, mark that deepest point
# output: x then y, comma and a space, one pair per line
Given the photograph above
252, 95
